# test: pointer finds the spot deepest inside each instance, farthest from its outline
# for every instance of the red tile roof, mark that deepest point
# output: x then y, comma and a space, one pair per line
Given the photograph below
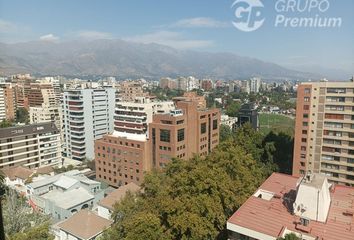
17, 172
272, 217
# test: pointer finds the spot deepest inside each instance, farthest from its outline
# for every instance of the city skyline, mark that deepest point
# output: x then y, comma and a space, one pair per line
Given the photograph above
193, 26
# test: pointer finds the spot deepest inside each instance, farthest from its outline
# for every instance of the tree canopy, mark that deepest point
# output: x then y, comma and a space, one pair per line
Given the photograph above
189, 199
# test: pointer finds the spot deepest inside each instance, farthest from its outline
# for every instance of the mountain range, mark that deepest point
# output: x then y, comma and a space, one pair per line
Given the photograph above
125, 59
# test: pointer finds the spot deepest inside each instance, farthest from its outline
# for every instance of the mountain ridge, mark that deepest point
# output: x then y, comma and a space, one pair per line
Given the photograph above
125, 59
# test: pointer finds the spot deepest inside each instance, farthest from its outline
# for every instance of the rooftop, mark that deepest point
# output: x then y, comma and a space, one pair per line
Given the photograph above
68, 199
273, 216
27, 130
52, 179
85, 224
17, 172
117, 195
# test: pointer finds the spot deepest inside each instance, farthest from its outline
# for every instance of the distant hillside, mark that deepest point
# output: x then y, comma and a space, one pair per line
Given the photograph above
126, 59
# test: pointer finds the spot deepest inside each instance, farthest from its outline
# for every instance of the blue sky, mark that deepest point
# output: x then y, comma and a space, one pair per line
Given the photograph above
199, 25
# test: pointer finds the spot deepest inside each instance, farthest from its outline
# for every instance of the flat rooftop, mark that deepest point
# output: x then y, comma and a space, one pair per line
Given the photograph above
273, 216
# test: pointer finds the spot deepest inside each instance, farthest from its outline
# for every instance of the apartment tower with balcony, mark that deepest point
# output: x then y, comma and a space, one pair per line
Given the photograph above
87, 115
324, 132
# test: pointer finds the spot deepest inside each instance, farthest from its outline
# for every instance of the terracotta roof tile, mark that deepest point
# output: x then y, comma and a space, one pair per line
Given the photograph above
273, 216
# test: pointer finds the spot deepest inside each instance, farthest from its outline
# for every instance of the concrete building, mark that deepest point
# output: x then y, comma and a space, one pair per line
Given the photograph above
192, 96
63, 195
168, 83
206, 84
254, 84
324, 136
31, 146
88, 114
231, 122
128, 91
9, 99
192, 83
85, 225
134, 117
2, 105
124, 157
308, 207
248, 114
183, 132
182, 83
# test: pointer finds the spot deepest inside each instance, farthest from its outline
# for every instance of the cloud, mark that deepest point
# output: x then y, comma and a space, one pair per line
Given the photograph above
7, 27
169, 38
198, 22
92, 35
49, 38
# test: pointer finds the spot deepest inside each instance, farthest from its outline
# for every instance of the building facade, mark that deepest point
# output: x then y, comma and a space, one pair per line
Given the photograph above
87, 114
31, 146
324, 135
124, 157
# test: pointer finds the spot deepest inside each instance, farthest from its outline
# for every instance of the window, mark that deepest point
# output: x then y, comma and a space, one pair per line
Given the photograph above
203, 128
180, 135
304, 131
215, 124
165, 135
306, 99
307, 90
305, 115
305, 124
306, 107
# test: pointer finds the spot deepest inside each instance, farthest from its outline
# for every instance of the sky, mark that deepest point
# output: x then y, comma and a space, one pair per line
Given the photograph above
202, 25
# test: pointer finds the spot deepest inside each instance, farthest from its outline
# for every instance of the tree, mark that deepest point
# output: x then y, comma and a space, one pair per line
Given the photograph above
290, 236
40, 232
22, 115
189, 199
233, 109
20, 218
225, 132
5, 123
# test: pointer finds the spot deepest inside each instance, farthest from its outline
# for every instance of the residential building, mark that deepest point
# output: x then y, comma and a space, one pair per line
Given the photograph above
324, 131
183, 132
231, 122
63, 195
192, 96
134, 117
308, 207
182, 83
206, 84
254, 84
125, 157
245, 86
41, 93
17, 175
105, 207
2, 105
84, 225
168, 83
192, 83
129, 90
87, 114
9, 100
31, 146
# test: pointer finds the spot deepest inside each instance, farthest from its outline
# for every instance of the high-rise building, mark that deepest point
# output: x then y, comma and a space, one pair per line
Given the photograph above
9, 97
43, 104
206, 84
128, 91
192, 96
134, 117
31, 145
324, 136
168, 83
254, 84
2, 105
182, 83
124, 157
87, 114
183, 132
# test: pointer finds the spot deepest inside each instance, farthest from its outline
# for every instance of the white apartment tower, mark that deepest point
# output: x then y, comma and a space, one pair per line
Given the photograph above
88, 114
